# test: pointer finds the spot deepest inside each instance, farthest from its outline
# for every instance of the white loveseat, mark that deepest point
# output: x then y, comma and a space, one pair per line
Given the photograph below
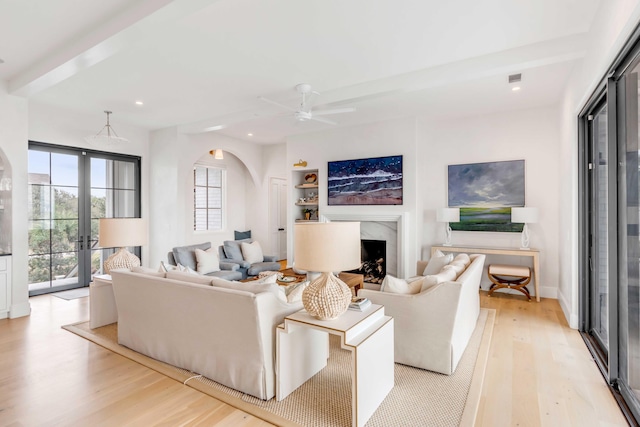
226, 335
433, 328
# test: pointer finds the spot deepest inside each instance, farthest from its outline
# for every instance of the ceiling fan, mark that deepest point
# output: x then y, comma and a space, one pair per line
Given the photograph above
305, 111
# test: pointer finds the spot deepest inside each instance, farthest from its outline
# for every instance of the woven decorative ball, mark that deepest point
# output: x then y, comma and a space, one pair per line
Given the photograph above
327, 297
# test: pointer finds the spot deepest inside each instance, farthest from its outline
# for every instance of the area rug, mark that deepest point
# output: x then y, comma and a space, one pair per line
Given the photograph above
419, 397
72, 293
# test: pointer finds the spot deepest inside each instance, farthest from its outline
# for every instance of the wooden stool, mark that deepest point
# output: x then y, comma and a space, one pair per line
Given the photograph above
509, 276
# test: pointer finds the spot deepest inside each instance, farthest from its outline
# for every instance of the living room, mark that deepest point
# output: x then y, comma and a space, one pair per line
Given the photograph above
458, 125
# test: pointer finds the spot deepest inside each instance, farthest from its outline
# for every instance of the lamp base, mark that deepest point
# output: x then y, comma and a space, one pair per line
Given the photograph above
525, 249
121, 259
446, 244
327, 297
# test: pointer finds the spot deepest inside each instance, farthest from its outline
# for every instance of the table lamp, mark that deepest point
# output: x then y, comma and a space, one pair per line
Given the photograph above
525, 216
327, 247
120, 233
448, 215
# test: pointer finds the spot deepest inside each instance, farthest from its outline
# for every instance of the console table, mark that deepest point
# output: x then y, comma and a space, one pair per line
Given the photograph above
532, 253
302, 350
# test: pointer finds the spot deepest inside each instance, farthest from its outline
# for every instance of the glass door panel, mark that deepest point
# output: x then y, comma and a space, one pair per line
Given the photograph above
69, 191
599, 230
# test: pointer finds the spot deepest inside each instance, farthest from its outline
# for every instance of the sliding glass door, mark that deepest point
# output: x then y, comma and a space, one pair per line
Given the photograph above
69, 190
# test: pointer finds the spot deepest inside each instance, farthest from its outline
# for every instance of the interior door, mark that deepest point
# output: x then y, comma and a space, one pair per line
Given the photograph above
278, 217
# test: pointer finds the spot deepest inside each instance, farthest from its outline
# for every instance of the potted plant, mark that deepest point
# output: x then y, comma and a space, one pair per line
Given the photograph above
307, 213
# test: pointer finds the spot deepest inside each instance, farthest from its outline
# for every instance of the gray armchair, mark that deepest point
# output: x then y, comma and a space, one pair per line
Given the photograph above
231, 252
186, 256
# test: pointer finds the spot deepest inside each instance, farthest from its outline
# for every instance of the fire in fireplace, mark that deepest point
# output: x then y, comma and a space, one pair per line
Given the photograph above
373, 255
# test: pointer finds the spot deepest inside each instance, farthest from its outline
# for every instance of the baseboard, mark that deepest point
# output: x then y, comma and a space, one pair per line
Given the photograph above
566, 309
20, 310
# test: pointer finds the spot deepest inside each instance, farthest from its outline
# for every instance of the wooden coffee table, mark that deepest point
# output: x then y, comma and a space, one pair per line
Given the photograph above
353, 280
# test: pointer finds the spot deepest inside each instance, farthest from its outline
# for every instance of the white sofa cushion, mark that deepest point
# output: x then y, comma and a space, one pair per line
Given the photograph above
464, 258
185, 276
252, 252
207, 261
147, 270
446, 275
401, 286
294, 291
437, 261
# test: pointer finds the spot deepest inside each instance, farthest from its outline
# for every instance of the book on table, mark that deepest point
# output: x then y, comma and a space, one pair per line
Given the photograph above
359, 303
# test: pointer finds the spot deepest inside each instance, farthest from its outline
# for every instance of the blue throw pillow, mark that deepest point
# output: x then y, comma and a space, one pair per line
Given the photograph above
240, 235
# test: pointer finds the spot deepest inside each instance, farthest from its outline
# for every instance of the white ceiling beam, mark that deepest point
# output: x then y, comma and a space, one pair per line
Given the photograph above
104, 41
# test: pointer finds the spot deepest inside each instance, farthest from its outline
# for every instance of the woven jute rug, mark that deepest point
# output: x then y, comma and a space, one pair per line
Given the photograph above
419, 397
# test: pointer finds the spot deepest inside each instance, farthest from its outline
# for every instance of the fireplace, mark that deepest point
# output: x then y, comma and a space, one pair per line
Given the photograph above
374, 260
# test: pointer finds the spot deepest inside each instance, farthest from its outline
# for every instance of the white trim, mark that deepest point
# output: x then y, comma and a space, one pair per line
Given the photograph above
402, 238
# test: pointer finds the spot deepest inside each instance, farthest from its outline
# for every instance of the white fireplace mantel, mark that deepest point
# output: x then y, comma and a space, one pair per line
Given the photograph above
399, 218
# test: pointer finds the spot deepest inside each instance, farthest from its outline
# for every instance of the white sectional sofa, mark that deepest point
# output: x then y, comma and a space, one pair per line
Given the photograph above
225, 334
433, 327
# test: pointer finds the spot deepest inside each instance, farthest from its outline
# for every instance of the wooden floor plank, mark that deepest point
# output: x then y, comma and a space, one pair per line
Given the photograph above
539, 373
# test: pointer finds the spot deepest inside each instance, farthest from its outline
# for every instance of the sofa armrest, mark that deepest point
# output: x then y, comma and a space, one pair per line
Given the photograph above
270, 258
239, 262
229, 266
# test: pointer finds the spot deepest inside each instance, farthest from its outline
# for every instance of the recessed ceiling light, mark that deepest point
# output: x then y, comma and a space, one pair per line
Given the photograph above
515, 88
139, 103
249, 134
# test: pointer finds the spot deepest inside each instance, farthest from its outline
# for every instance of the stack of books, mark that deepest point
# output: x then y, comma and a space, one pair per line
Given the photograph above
359, 304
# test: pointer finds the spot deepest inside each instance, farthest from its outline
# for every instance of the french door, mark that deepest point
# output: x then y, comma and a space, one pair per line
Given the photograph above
610, 229
69, 191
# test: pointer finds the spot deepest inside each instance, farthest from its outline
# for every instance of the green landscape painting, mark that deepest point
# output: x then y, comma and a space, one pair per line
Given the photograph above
486, 219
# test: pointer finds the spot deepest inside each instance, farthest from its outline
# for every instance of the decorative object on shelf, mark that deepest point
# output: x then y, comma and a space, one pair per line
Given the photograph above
301, 164
485, 192
448, 215
217, 154
120, 233
327, 247
524, 216
110, 137
307, 213
311, 178
374, 181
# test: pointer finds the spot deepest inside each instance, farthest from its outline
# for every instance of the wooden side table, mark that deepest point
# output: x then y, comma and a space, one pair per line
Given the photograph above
102, 303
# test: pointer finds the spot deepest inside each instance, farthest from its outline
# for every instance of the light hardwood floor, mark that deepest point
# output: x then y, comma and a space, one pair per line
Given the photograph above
539, 373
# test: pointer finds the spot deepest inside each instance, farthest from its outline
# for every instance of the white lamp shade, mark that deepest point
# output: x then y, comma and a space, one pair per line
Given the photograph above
122, 232
524, 215
327, 247
448, 215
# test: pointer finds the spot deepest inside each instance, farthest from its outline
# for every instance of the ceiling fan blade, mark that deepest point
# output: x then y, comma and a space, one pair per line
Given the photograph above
333, 111
267, 100
323, 120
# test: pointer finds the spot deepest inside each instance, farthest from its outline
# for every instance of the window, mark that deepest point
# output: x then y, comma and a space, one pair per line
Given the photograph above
208, 193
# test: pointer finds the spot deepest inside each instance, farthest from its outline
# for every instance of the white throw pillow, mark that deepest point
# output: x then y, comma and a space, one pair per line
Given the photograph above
164, 267
252, 252
464, 258
447, 274
437, 261
147, 271
400, 286
207, 261
295, 293
457, 266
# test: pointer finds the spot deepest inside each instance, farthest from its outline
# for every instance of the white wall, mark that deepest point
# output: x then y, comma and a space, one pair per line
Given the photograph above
394, 137
13, 141
172, 157
532, 135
